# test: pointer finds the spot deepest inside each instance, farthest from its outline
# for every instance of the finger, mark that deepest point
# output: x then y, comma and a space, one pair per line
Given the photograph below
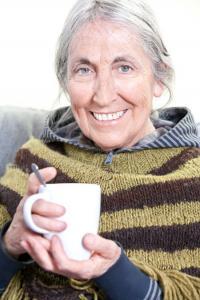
106, 248
57, 251
69, 267
33, 183
49, 224
43, 241
38, 253
26, 247
48, 209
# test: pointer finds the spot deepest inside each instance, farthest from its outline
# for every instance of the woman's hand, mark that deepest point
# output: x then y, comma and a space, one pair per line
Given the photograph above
42, 211
104, 254
50, 254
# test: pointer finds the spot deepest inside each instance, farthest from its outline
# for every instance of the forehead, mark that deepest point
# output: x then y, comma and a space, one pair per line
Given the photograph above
103, 39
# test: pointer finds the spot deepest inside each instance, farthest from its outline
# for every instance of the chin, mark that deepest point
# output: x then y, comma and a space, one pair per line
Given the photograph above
107, 147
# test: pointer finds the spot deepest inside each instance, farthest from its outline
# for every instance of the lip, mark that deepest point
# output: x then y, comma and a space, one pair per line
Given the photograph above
107, 122
109, 112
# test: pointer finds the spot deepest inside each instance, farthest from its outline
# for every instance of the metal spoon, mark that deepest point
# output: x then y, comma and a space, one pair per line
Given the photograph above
35, 169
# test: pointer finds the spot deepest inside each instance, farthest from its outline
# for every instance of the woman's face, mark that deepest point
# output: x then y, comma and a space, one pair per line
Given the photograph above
111, 85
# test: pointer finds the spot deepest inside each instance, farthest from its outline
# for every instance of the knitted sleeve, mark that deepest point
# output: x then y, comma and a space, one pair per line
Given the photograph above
12, 189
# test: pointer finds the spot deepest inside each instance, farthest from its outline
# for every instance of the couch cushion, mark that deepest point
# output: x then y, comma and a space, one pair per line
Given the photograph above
16, 126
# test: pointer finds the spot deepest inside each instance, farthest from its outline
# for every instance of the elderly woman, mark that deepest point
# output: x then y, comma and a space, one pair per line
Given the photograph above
112, 63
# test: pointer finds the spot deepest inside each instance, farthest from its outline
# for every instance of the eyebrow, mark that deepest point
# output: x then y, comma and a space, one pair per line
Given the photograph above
124, 58
83, 60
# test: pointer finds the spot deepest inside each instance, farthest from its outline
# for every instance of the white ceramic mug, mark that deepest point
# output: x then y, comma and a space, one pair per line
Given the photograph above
82, 203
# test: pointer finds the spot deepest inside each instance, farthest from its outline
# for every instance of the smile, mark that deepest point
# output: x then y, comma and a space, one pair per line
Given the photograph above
108, 117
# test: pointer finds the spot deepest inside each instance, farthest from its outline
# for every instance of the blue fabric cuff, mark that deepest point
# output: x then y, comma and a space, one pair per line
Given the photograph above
124, 281
9, 265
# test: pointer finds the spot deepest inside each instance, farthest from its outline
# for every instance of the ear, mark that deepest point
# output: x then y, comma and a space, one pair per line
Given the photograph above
158, 88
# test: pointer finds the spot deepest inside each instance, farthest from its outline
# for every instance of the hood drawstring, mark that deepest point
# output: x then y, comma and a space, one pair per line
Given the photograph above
109, 158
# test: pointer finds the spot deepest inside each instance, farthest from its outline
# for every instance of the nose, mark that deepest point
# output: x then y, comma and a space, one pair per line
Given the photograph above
104, 91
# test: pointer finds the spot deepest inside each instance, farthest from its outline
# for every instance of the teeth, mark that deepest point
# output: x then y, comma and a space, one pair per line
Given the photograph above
109, 117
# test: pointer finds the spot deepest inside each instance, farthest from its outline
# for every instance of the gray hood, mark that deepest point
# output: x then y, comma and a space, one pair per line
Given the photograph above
175, 127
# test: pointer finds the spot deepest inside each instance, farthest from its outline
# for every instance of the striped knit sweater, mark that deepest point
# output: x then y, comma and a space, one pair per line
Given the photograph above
150, 204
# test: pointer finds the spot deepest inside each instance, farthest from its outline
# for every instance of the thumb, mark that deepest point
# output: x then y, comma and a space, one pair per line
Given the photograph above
104, 247
33, 183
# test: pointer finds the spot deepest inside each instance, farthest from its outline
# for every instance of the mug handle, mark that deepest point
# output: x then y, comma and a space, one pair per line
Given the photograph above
27, 208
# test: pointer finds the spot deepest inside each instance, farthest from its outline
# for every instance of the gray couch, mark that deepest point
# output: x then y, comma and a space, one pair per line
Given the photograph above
17, 125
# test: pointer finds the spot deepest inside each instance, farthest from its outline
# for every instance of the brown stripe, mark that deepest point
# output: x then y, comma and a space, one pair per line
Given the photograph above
175, 162
167, 238
150, 195
45, 285
192, 271
58, 147
87, 165
10, 199
25, 158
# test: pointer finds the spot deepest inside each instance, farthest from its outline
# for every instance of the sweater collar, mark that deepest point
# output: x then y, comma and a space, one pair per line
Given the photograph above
174, 127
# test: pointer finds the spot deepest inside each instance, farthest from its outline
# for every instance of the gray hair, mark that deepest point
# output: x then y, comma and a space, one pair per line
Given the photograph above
133, 13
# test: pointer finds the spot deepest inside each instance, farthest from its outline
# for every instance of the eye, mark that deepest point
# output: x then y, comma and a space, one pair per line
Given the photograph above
125, 69
83, 71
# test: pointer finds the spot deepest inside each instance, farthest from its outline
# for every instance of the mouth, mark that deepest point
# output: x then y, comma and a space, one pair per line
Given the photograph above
109, 116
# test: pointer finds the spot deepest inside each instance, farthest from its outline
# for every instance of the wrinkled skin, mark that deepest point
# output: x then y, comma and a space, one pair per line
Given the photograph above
50, 254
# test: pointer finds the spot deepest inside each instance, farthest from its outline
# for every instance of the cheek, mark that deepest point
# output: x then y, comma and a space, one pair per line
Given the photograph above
80, 94
137, 95
81, 118
80, 100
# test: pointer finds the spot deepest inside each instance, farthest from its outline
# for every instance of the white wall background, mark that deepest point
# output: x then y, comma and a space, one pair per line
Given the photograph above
28, 36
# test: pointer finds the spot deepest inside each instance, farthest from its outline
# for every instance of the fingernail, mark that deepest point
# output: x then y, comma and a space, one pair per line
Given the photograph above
55, 238
23, 243
62, 225
89, 239
60, 210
